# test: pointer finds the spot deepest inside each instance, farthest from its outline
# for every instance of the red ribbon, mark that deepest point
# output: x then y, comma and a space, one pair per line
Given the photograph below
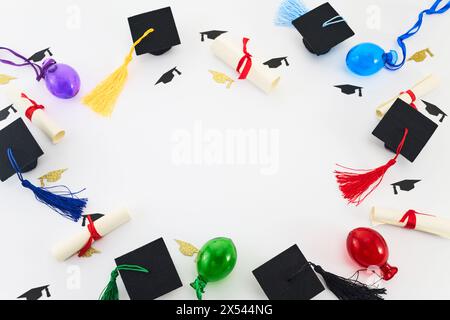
411, 218
29, 112
94, 237
412, 96
247, 59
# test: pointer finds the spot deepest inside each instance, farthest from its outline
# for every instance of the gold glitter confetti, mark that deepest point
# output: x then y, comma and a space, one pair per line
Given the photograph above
90, 252
219, 77
187, 249
419, 56
5, 79
52, 176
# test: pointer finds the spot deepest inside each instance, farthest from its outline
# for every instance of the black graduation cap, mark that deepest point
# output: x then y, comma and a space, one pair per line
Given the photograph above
322, 28
4, 113
391, 129
211, 34
349, 89
36, 293
168, 76
94, 217
288, 276
162, 277
162, 39
25, 149
276, 62
405, 185
434, 110
40, 55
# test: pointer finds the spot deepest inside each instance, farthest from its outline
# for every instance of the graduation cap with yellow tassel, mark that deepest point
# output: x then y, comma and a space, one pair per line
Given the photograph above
160, 23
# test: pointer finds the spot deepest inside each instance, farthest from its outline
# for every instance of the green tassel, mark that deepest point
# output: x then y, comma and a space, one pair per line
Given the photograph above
111, 292
199, 286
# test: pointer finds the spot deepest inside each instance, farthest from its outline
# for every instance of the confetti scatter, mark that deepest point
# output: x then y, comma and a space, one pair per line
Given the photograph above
219, 77
421, 55
276, 62
5, 79
90, 252
187, 249
213, 34
52, 176
168, 76
434, 110
40, 55
350, 89
404, 185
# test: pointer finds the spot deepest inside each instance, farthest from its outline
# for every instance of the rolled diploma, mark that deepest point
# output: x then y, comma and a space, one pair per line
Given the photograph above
420, 89
430, 224
230, 53
40, 118
104, 225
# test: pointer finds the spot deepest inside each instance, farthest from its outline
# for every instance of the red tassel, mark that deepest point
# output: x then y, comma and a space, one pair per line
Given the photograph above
356, 186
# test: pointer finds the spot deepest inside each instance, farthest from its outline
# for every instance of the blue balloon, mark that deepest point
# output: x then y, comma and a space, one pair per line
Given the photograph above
366, 59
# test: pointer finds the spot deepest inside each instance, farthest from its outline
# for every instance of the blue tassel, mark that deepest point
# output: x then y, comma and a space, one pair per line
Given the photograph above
62, 200
289, 11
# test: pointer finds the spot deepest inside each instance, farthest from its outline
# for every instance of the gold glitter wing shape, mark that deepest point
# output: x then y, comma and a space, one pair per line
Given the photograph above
421, 55
90, 252
52, 176
187, 249
5, 79
219, 77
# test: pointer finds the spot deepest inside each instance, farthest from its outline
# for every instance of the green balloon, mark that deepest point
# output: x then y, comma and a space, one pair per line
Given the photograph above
215, 261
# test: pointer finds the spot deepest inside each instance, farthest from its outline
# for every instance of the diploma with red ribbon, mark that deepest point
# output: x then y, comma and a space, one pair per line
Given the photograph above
237, 56
82, 240
35, 112
413, 220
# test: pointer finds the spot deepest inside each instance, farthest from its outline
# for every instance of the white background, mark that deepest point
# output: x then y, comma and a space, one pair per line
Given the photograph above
127, 160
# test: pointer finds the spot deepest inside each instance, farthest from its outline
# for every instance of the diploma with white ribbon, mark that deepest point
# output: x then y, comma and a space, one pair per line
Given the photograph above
413, 220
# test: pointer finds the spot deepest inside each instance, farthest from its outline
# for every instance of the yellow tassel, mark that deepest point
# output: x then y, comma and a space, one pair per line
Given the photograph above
103, 98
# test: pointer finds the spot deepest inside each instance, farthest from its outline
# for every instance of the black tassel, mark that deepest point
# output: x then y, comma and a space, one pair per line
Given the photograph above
349, 289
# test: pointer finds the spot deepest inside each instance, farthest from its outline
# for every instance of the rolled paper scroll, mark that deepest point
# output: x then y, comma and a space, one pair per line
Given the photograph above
36, 114
104, 225
231, 54
418, 91
411, 219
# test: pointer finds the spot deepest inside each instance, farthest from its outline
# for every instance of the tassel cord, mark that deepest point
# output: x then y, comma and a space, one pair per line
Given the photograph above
62, 200
354, 184
40, 71
390, 63
111, 292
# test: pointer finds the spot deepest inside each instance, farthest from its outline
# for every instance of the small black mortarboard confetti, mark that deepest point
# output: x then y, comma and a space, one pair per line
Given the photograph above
434, 110
94, 217
405, 185
168, 76
211, 34
276, 62
349, 89
4, 113
36, 293
40, 55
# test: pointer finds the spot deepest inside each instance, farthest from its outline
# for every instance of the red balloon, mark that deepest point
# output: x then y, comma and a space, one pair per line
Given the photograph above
368, 248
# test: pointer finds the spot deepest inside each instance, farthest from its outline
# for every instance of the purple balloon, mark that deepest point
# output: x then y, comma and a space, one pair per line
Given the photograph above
62, 81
